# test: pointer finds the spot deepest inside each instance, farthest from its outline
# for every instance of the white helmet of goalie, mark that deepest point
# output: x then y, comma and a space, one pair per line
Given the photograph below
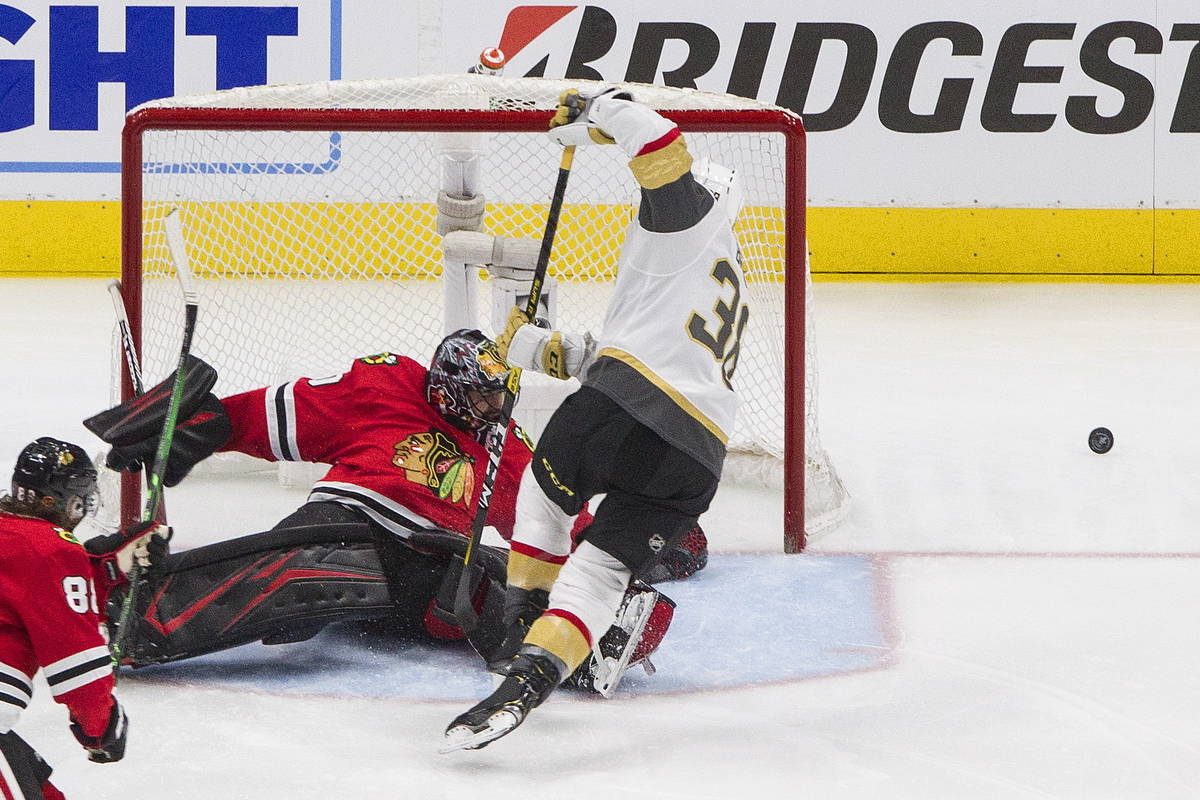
725, 184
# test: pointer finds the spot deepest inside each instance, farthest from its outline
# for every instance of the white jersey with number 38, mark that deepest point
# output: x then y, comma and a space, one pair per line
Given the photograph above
678, 313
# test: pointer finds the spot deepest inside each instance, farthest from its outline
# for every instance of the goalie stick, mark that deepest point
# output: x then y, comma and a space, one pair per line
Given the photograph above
154, 480
464, 609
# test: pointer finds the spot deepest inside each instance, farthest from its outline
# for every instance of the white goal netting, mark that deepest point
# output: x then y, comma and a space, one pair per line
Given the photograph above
310, 218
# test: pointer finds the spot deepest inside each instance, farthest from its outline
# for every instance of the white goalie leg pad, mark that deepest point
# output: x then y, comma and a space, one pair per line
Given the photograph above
460, 201
541, 524
514, 258
591, 587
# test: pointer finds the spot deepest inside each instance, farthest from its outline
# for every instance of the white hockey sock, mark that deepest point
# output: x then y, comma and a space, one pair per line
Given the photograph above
541, 524
590, 588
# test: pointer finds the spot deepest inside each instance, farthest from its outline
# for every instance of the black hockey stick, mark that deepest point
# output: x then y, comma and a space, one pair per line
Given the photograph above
464, 609
154, 480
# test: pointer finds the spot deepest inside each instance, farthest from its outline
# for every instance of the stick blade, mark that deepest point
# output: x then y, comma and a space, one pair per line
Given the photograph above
179, 256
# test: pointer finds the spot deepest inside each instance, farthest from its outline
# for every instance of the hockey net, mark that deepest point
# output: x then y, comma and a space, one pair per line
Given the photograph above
310, 217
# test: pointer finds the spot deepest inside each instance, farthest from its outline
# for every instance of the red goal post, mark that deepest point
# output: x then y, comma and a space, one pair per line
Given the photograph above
305, 207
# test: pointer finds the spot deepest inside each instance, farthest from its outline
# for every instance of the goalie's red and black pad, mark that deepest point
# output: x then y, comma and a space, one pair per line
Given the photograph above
616, 641
283, 585
655, 630
142, 417
280, 585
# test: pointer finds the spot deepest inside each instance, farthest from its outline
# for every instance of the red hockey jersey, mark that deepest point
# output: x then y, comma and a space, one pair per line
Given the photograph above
50, 618
392, 454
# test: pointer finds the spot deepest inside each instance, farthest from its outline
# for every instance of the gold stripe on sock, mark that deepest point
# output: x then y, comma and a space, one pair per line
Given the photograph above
559, 637
525, 572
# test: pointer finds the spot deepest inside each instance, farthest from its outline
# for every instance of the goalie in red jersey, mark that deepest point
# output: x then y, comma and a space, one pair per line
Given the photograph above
51, 591
382, 533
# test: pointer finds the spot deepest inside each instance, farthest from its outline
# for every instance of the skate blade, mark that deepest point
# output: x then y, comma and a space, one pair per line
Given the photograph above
610, 670
461, 737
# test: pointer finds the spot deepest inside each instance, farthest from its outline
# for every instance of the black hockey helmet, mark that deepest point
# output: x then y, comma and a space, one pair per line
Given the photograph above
56, 477
466, 380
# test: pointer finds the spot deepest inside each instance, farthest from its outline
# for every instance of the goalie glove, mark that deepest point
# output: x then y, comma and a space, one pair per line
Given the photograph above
110, 745
133, 428
559, 355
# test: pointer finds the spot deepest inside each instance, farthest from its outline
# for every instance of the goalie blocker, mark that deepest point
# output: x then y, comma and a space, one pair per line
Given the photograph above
132, 428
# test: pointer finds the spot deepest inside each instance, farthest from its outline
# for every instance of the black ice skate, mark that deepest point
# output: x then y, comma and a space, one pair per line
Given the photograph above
531, 679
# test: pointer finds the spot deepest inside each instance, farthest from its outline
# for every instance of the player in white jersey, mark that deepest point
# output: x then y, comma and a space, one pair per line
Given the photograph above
648, 426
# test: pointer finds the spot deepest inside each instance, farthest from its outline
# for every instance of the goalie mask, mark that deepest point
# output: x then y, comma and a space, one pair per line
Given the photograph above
466, 381
724, 183
57, 480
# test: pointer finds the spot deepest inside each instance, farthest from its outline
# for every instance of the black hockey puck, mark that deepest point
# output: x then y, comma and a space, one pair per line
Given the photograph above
1100, 440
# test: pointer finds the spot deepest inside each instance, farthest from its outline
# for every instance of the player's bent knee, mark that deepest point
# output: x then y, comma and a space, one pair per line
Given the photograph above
545, 525
644, 551
682, 560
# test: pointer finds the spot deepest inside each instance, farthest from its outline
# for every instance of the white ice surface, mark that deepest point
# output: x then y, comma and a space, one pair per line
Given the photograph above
1003, 614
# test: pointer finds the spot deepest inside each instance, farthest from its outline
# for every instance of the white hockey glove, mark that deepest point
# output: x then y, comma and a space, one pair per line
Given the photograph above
559, 355
572, 123
116, 552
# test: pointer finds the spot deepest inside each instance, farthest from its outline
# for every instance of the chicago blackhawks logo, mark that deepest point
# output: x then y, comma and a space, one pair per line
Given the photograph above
435, 460
490, 361
381, 359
